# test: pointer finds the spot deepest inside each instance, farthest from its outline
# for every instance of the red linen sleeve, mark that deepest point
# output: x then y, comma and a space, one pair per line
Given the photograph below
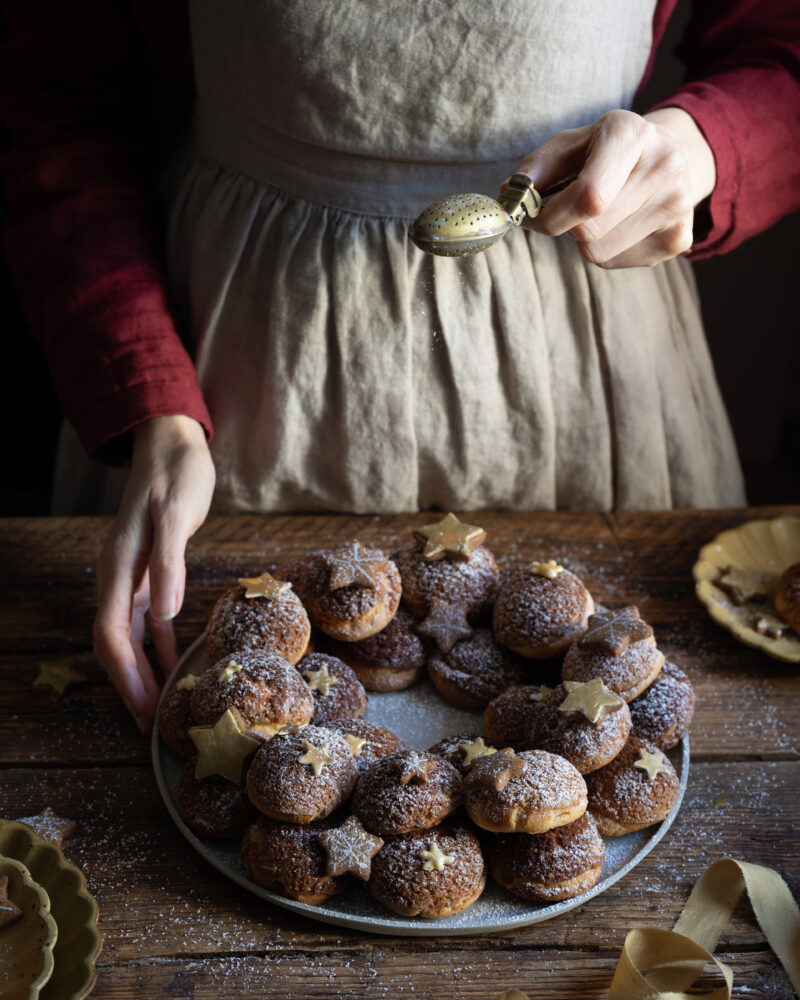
82, 236
743, 90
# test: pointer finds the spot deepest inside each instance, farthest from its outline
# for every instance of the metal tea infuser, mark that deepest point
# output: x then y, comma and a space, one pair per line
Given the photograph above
463, 224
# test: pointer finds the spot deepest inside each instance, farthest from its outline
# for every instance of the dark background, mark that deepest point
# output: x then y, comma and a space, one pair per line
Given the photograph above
751, 307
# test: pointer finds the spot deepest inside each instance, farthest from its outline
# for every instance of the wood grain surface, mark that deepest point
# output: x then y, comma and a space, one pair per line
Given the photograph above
174, 927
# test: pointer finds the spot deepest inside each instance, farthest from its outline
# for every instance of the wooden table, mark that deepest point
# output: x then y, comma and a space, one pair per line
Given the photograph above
174, 927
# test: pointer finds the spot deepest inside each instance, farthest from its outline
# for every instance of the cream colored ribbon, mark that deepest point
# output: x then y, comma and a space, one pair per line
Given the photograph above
660, 965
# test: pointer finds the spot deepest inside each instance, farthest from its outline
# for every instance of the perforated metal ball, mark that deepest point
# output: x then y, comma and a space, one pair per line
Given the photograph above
460, 225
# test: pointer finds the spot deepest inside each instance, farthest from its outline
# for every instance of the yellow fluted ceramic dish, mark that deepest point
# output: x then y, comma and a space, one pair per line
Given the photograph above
71, 906
26, 947
768, 547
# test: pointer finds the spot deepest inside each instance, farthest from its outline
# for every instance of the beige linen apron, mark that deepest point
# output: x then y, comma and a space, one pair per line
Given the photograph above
344, 369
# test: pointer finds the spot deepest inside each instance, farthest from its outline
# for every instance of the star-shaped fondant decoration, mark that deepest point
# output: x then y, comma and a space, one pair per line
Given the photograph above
495, 771
613, 631
434, 859
222, 748
550, 569
9, 912
226, 673
50, 826
321, 680
356, 743
58, 674
449, 537
446, 624
186, 683
538, 693
475, 749
653, 763
265, 586
354, 563
350, 848
413, 768
590, 699
317, 757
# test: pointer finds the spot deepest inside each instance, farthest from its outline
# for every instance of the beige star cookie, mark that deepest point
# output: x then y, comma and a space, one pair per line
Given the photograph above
321, 680
475, 749
590, 699
653, 763
222, 748
449, 537
356, 743
58, 674
186, 683
226, 673
538, 693
434, 859
550, 569
316, 757
350, 848
50, 826
264, 586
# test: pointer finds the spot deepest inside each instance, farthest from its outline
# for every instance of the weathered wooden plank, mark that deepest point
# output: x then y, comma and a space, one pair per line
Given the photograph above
385, 973
158, 898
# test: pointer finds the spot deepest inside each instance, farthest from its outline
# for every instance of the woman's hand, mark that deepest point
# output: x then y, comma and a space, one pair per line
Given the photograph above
638, 182
141, 570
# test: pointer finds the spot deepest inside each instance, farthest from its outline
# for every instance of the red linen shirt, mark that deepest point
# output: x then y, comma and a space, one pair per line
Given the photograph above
83, 240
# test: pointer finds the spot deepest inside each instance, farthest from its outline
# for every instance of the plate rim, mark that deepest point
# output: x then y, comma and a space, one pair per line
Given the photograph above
396, 925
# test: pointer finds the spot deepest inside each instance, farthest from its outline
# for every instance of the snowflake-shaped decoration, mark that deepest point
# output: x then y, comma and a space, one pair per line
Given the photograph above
354, 563
350, 848
413, 768
446, 624
321, 680
434, 859
495, 772
613, 631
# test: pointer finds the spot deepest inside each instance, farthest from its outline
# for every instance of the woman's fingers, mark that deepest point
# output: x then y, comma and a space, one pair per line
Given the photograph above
663, 245
638, 180
121, 569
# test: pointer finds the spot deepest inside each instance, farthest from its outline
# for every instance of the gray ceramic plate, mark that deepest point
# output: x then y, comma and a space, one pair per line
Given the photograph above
421, 717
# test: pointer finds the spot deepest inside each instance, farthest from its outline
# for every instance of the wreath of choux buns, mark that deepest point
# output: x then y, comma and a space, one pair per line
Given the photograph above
579, 705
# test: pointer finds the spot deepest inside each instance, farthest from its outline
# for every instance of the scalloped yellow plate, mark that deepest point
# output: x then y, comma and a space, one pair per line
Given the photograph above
26, 947
764, 547
71, 906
